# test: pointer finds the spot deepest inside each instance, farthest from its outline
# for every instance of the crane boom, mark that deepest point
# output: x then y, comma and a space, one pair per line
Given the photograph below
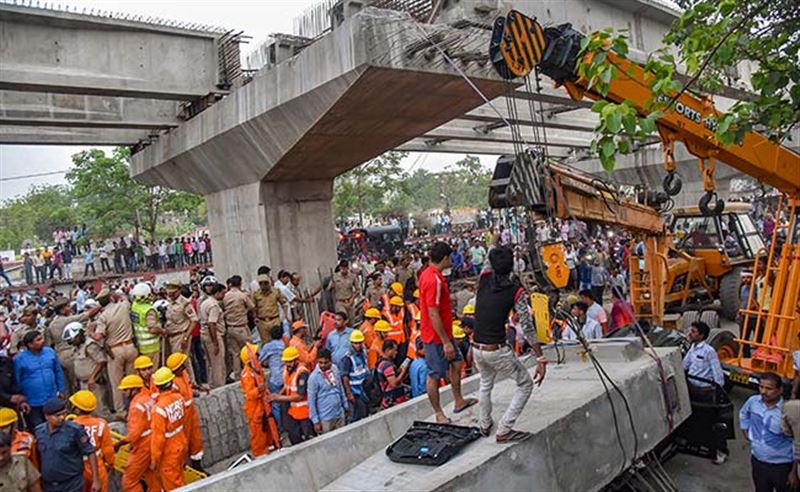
519, 44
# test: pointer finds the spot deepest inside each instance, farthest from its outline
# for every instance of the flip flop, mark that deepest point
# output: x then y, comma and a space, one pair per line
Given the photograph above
512, 436
487, 431
467, 403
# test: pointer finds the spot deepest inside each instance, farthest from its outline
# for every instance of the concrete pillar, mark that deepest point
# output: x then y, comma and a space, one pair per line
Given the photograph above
287, 224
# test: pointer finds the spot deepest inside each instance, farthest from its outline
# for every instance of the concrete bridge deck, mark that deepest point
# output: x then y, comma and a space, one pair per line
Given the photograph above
574, 446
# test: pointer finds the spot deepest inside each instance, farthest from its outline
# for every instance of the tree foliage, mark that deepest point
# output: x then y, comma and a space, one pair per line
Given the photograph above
707, 42
36, 215
383, 187
112, 201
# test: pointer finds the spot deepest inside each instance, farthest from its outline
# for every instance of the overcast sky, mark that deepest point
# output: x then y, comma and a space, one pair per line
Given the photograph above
257, 18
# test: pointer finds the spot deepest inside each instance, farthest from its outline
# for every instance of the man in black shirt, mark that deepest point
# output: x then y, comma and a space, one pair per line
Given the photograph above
497, 294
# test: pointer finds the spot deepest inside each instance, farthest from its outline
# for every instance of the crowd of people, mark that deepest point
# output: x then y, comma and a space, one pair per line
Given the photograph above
45, 264
390, 330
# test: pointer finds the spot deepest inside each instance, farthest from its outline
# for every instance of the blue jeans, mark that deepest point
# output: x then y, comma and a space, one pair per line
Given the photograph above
276, 407
5, 276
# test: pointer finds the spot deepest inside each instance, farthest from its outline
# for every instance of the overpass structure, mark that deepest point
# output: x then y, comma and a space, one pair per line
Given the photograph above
264, 148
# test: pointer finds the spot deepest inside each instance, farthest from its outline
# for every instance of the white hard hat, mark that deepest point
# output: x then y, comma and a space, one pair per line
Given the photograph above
161, 304
72, 330
141, 290
208, 280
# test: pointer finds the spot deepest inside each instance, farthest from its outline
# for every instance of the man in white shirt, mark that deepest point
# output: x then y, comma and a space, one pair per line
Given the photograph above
590, 329
594, 310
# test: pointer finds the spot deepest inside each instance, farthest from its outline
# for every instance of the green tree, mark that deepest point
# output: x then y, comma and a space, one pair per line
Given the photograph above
370, 187
35, 215
111, 201
709, 38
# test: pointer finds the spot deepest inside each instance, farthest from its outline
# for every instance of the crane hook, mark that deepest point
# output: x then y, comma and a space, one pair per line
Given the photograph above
672, 183
718, 204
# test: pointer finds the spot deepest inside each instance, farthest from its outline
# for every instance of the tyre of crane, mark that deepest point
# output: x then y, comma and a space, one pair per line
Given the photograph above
711, 318
729, 291
687, 318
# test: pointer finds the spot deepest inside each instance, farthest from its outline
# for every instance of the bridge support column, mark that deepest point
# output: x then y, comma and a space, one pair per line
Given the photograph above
282, 224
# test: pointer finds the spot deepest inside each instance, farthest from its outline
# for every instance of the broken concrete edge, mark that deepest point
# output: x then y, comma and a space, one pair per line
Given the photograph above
367, 437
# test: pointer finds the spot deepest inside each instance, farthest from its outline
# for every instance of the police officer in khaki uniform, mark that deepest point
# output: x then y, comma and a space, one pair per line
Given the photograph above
27, 324
55, 330
344, 289
114, 329
89, 363
180, 317
212, 334
266, 300
236, 305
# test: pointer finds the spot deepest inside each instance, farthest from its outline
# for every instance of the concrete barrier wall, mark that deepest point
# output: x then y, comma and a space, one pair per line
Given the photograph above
317, 463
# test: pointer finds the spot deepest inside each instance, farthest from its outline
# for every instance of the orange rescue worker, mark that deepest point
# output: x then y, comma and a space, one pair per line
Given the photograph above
395, 289
176, 363
263, 429
139, 416
371, 316
143, 365
295, 383
168, 443
85, 402
22, 443
375, 352
307, 357
412, 340
395, 315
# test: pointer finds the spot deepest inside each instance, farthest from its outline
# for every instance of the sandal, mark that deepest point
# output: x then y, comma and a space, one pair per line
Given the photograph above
467, 403
487, 431
512, 436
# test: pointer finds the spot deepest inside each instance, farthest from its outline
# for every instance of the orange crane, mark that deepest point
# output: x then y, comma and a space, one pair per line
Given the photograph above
771, 320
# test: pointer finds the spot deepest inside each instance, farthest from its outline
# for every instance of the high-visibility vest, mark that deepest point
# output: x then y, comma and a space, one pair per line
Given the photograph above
298, 410
24, 444
146, 342
413, 309
412, 344
397, 333
358, 373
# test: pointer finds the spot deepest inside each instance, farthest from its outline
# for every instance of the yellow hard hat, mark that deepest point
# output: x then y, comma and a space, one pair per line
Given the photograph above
176, 360
416, 293
244, 354
85, 400
163, 376
383, 326
131, 381
7, 417
456, 322
70, 417
417, 315
572, 299
397, 288
357, 336
290, 353
458, 332
396, 301
142, 362
372, 313
468, 309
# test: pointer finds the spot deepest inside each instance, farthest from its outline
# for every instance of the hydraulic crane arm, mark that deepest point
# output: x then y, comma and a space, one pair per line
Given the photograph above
519, 44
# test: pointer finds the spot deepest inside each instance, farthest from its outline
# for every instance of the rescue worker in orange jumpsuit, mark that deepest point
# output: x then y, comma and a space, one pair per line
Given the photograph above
295, 382
371, 316
413, 317
143, 366
139, 416
263, 430
375, 351
176, 363
168, 443
22, 443
307, 357
396, 316
85, 402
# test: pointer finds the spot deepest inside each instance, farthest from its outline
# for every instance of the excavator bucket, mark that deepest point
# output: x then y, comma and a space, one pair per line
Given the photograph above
517, 45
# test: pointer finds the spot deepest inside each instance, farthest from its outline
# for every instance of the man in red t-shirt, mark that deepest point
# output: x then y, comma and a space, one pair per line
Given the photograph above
436, 332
